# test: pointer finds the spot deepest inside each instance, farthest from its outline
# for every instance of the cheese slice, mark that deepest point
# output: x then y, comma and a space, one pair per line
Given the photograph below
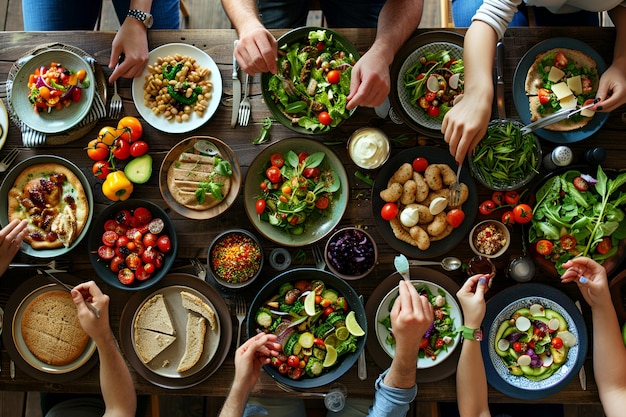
569, 102
555, 74
561, 90
575, 84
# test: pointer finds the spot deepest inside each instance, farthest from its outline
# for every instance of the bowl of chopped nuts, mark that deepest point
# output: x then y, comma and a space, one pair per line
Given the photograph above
490, 238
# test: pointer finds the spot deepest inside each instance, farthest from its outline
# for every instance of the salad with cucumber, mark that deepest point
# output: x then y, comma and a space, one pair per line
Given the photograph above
534, 342
314, 325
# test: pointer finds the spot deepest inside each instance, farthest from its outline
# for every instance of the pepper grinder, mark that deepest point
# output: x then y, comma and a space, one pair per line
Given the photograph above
595, 156
559, 157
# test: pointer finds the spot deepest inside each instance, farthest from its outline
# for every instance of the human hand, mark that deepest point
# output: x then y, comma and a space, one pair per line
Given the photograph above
256, 50
472, 299
97, 328
612, 89
11, 237
465, 124
249, 358
369, 83
411, 315
130, 42
591, 280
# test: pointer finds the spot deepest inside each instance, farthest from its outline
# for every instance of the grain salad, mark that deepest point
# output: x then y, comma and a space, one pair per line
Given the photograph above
235, 258
488, 239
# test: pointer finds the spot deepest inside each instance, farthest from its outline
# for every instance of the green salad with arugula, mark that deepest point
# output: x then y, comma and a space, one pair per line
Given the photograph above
579, 215
313, 81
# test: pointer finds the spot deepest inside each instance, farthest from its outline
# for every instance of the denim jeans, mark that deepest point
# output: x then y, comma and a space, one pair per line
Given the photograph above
338, 13
50, 15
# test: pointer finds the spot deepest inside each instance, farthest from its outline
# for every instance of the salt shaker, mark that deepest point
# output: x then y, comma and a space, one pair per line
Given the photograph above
561, 156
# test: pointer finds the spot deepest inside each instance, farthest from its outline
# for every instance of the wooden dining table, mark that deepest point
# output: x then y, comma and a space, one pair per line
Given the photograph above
195, 235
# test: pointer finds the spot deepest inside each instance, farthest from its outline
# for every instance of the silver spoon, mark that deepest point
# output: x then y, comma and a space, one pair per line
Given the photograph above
449, 263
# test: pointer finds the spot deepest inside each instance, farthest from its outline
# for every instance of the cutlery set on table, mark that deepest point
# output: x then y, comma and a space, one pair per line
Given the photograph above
241, 107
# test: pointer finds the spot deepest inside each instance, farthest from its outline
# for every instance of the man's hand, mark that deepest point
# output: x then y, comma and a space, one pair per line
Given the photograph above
256, 50
97, 328
369, 82
132, 43
249, 358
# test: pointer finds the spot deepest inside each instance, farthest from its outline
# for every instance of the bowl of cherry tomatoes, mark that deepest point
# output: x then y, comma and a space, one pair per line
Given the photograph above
132, 244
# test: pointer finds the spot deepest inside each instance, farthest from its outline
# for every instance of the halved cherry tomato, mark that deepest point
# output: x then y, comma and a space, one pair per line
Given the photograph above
568, 242
109, 238
133, 261
522, 213
544, 96
420, 164
507, 218
302, 156
455, 217
141, 274
511, 197
97, 150
544, 247
605, 245
324, 118
581, 184
322, 202
126, 276
123, 217
101, 169
333, 76
277, 160
311, 172
149, 239
389, 211
132, 128
560, 60
260, 206
557, 343
586, 84
149, 268
138, 148
106, 252
430, 96
116, 263
487, 207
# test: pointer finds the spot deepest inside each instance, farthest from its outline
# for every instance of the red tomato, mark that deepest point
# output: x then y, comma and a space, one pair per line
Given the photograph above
76, 93
311, 172
277, 160
508, 218
97, 150
544, 247
587, 86
141, 274
121, 149
487, 207
101, 169
324, 118
148, 255
123, 217
149, 239
126, 276
497, 197
293, 360
110, 224
560, 60
149, 268
273, 174
322, 202
133, 261
605, 245
333, 76
132, 128
544, 96
164, 244
295, 373
134, 234
122, 241
116, 262
430, 96
517, 346
581, 184
302, 156
138, 148
424, 343
260, 206
320, 46
557, 343
106, 252
109, 238
511, 197
455, 217
420, 164
328, 311
522, 213
283, 368
389, 211
568, 242
143, 215
433, 111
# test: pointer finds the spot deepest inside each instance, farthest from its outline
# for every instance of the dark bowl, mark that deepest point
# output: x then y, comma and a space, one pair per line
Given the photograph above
357, 247
298, 35
218, 277
332, 281
95, 241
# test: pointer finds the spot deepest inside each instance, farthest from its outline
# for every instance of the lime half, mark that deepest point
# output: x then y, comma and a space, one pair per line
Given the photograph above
353, 325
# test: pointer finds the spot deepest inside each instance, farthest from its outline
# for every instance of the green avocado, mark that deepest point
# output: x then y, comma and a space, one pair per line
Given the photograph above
139, 169
550, 314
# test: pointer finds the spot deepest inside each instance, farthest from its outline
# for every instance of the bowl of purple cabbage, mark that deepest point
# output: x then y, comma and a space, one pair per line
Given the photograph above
351, 253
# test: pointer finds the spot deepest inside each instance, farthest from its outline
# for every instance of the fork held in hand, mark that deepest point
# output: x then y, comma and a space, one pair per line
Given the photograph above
8, 159
240, 312
455, 189
244, 106
115, 106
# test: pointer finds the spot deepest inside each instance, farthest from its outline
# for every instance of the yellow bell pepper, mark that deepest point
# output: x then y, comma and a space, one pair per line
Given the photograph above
117, 187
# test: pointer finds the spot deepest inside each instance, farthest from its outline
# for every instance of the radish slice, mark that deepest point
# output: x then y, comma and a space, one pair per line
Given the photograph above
553, 324
547, 360
503, 344
524, 360
453, 81
568, 338
457, 99
522, 323
432, 83
537, 310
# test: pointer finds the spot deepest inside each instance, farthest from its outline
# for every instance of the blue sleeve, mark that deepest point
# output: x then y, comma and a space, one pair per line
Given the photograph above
390, 401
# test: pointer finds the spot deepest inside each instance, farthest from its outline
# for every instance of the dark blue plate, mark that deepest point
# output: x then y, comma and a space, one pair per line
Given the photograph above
500, 308
521, 99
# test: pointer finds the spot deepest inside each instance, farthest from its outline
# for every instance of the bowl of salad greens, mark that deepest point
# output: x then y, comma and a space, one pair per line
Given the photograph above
320, 323
579, 212
295, 191
309, 93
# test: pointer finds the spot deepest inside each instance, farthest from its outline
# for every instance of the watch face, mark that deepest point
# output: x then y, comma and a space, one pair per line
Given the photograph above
478, 334
148, 21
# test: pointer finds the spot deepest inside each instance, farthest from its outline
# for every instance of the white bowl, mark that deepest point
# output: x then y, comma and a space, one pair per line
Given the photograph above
501, 228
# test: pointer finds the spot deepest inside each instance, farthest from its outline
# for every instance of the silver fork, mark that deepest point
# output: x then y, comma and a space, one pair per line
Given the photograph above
244, 106
320, 263
240, 312
8, 159
199, 268
115, 106
455, 189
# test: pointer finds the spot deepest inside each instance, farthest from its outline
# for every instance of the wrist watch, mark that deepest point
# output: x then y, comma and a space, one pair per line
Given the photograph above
143, 17
472, 334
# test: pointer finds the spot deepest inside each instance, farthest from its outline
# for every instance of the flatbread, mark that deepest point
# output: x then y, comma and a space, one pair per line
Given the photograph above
184, 176
52, 198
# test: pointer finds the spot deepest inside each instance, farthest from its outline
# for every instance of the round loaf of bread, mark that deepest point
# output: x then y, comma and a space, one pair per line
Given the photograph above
51, 330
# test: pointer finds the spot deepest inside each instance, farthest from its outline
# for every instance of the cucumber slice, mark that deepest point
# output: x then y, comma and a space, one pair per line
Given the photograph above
139, 170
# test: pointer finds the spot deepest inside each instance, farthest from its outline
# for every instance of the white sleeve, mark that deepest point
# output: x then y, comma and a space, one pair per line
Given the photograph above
497, 14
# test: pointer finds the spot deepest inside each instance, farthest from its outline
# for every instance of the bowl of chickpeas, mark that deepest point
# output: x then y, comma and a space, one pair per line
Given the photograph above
179, 90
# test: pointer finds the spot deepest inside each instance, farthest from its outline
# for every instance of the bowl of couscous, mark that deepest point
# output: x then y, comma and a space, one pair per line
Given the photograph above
235, 258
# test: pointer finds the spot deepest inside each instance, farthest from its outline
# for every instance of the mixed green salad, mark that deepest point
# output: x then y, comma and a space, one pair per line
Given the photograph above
579, 215
313, 81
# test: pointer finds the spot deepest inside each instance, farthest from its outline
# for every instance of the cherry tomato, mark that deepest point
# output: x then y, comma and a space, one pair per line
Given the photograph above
311, 172
293, 360
260, 206
544, 96
324, 118
122, 241
430, 96
149, 267
544, 247
424, 343
420, 164
123, 217
581, 184
487, 207
132, 128
138, 148
97, 150
433, 111
295, 373
143, 215
133, 261
557, 343
283, 368
141, 274
302, 156
522, 213
517, 346
508, 218
389, 211
150, 239
586, 84
109, 238
164, 243
108, 134
605, 245
568, 242
560, 60
328, 311
277, 160
322, 202
320, 46
121, 149
106, 252
101, 169
273, 174
455, 217
511, 197
126, 276
116, 263
497, 197
76, 94
333, 76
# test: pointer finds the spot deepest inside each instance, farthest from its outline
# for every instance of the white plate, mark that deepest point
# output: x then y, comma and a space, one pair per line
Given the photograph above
194, 121
385, 307
4, 124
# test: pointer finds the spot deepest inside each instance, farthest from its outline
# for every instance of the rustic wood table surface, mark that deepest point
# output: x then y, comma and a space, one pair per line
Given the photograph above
195, 235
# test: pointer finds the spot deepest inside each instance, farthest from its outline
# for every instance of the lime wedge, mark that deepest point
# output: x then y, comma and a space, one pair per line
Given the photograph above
331, 356
353, 325
342, 333
331, 340
309, 303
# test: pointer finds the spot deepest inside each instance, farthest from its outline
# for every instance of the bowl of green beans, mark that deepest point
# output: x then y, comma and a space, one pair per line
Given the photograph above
505, 159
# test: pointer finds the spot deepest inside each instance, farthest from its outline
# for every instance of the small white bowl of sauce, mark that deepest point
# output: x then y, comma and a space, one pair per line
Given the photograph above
369, 147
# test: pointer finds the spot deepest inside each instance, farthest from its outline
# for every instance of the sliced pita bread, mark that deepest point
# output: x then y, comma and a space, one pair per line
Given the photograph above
154, 316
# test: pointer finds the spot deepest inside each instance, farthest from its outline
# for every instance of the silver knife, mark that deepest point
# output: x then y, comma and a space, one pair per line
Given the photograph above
12, 369
554, 118
582, 374
500, 81
236, 90
361, 364
90, 306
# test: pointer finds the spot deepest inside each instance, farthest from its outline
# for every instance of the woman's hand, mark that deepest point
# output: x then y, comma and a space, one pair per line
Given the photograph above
11, 237
591, 280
